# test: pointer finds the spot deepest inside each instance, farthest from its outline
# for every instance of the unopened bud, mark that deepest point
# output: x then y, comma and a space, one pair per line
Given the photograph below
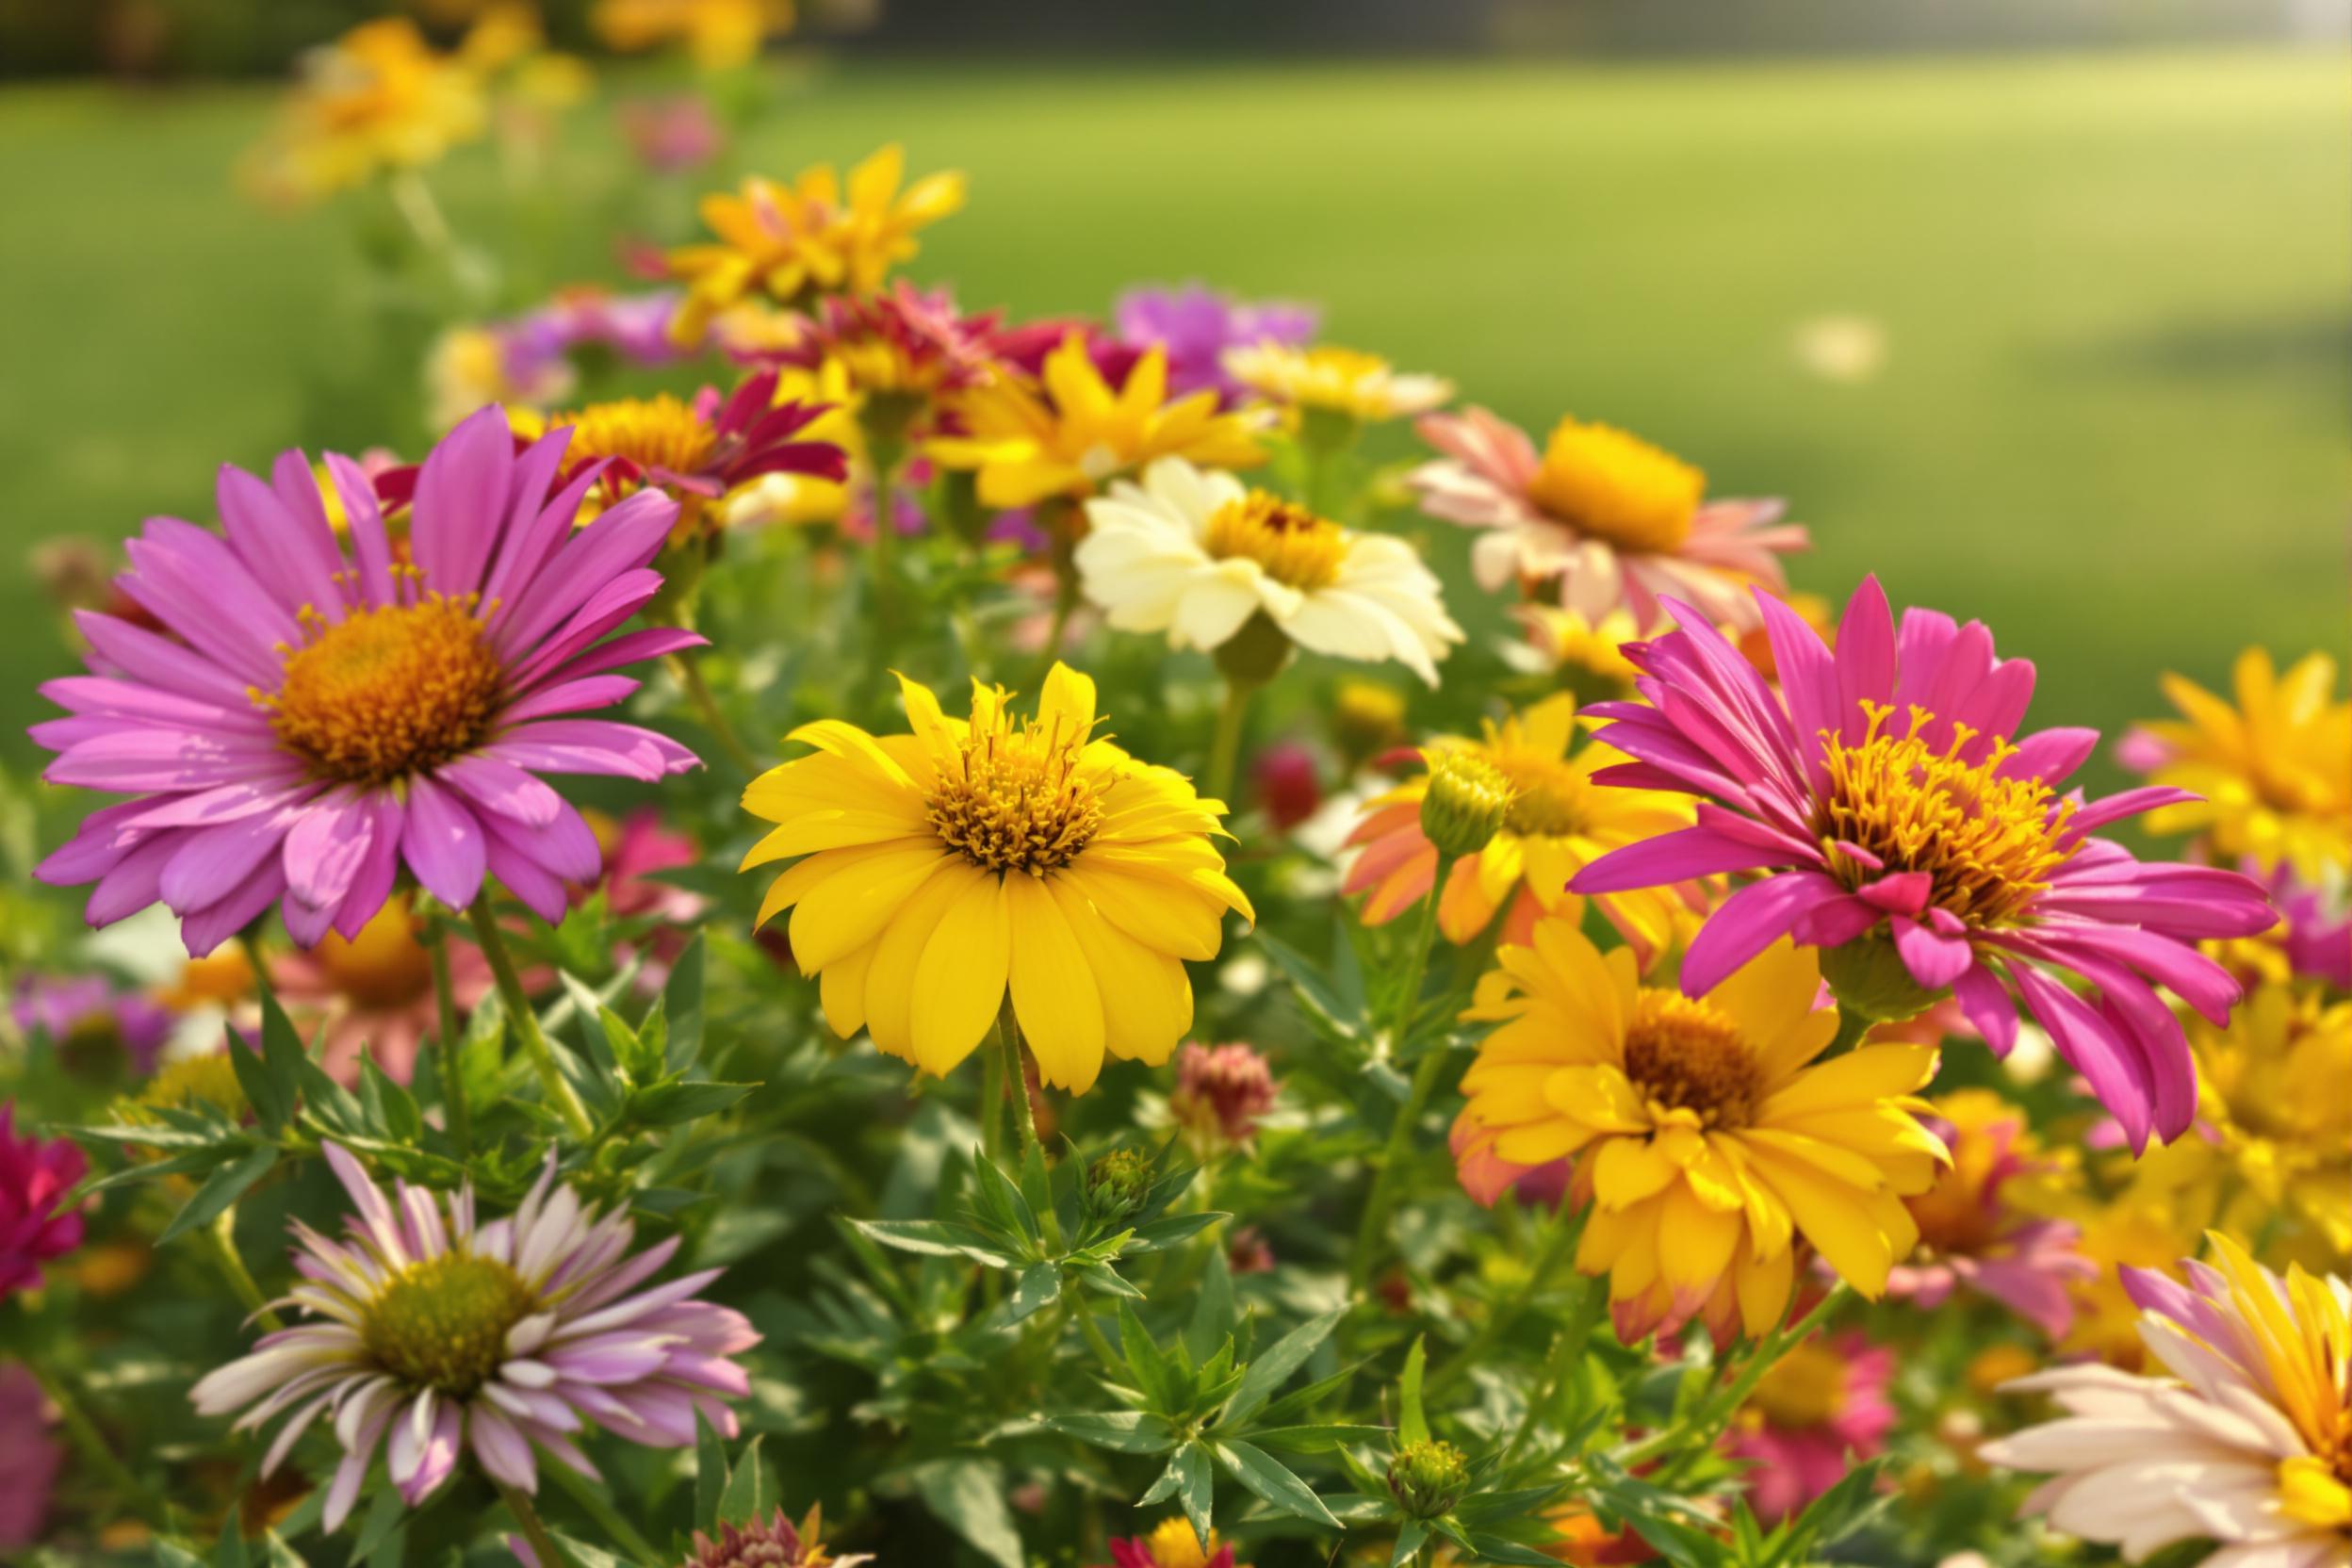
1118, 1183
1427, 1478
1467, 800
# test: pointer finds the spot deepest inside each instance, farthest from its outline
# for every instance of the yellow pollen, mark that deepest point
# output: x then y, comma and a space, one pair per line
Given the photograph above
1617, 487
1684, 1055
384, 966
386, 692
1294, 545
1014, 800
442, 1323
662, 431
1549, 797
1989, 843
1804, 1388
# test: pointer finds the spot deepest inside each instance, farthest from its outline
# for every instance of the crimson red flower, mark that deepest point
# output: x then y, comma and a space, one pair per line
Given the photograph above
34, 1179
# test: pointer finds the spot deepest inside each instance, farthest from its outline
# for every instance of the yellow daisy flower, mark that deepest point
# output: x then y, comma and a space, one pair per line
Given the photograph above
790, 242
1559, 822
1071, 432
939, 868
1335, 380
378, 98
718, 34
1709, 1140
2275, 771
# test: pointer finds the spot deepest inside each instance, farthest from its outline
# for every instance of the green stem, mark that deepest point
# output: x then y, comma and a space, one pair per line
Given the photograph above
1110, 1358
96, 1449
1567, 1349
223, 1233
1560, 1244
460, 1117
992, 1095
884, 456
1852, 1025
541, 1545
523, 1019
1373, 1228
715, 719
413, 198
1697, 1435
1225, 750
1016, 1081
609, 1519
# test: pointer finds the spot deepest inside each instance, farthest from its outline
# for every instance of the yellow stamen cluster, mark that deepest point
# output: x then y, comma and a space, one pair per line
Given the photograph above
1014, 800
1617, 487
442, 1323
661, 431
1989, 842
1294, 545
386, 692
1804, 1388
1685, 1055
1548, 795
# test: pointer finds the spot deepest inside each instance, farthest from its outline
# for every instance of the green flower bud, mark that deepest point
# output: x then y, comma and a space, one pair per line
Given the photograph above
1869, 978
1427, 1478
1118, 1183
1467, 801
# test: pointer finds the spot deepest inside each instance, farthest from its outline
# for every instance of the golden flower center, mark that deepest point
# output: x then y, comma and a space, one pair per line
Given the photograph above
1988, 844
1804, 1388
662, 431
387, 693
1954, 1217
1685, 1055
1616, 486
1015, 800
384, 966
1293, 545
1549, 797
442, 1323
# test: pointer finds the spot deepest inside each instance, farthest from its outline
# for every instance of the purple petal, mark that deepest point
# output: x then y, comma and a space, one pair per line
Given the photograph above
372, 883
1935, 961
1866, 657
593, 745
208, 928
442, 843
460, 502
502, 787
160, 661
371, 546
1749, 922
1986, 1003
1675, 857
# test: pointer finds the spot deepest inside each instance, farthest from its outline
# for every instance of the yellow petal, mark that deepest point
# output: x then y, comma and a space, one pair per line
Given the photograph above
959, 983
898, 955
1147, 997
842, 991
844, 912
1055, 995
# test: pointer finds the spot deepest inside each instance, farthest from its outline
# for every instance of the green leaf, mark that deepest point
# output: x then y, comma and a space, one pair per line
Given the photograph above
710, 1474
682, 1003
1212, 1309
1003, 1201
1170, 1229
384, 1515
935, 1238
1041, 1286
669, 1104
1494, 1548
749, 1494
1125, 1432
1272, 1483
1408, 1539
1318, 1439
1306, 977
1154, 1375
1272, 1369
225, 1188
1412, 1426
628, 1052
1196, 1491
393, 1107
228, 1550
269, 1084
968, 1496
581, 1555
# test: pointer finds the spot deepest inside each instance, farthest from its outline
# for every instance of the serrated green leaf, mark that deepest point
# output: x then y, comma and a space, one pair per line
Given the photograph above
750, 1493
226, 1187
392, 1105
1153, 1374
1272, 1483
1271, 1369
269, 1087
711, 1476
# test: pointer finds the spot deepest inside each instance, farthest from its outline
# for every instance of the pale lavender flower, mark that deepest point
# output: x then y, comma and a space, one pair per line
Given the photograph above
431, 1337
1196, 324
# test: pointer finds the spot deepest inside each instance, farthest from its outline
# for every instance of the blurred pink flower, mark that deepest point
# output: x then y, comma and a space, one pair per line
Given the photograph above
34, 1179
672, 133
1288, 787
1221, 1091
1819, 1410
90, 1009
33, 1457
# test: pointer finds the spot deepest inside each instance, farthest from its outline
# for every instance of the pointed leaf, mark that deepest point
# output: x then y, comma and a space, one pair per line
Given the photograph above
1273, 1482
1270, 1370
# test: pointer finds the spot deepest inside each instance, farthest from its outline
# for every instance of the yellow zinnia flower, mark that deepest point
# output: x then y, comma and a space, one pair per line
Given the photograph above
1335, 380
2275, 771
719, 34
942, 866
1072, 432
1706, 1134
378, 98
790, 242
1560, 822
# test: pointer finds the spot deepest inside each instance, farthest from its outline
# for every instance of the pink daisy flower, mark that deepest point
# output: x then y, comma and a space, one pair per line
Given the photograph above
1821, 1408
317, 717
1614, 521
34, 1179
1902, 826
34, 1458
433, 1337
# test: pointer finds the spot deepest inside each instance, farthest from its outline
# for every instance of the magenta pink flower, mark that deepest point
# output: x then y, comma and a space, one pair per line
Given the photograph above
1820, 1409
33, 1459
1897, 821
1221, 1091
34, 1179
433, 1337
318, 716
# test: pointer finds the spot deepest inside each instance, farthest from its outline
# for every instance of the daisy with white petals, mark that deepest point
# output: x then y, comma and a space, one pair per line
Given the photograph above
1193, 553
433, 1337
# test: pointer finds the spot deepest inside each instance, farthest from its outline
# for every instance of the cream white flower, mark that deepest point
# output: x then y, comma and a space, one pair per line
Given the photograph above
1340, 381
2247, 1443
1194, 554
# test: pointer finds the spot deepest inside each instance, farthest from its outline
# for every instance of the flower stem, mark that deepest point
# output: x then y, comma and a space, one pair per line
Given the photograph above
523, 1019
609, 1519
93, 1447
223, 1233
1225, 750
460, 1117
883, 450
534, 1531
992, 1096
1561, 1241
1017, 1081
415, 201
715, 719
1372, 1230
1567, 1349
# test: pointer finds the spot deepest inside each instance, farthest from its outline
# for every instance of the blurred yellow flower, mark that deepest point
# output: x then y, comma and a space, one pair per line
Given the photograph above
1709, 1137
378, 99
1072, 433
718, 34
1335, 380
1568, 644
2275, 771
790, 242
935, 869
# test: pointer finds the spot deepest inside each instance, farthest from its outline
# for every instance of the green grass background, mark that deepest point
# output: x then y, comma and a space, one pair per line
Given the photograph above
2116, 289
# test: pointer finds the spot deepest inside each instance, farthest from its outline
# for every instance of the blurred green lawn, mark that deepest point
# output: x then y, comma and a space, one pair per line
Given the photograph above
2114, 289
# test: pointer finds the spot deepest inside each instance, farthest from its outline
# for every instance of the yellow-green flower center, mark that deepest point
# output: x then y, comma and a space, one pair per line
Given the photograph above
442, 1324
1988, 844
1616, 486
1684, 1055
386, 692
1548, 795
1293, 545
1015, 801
